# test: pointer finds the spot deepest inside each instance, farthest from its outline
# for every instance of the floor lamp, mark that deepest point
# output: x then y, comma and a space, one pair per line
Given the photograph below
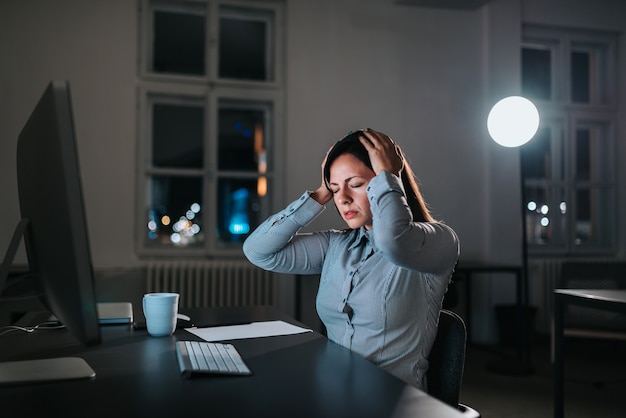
512, 122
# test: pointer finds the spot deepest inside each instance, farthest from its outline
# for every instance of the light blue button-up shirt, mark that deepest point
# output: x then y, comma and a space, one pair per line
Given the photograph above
380, 290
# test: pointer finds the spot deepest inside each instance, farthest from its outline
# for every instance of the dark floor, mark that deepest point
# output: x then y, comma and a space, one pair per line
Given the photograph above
595, 381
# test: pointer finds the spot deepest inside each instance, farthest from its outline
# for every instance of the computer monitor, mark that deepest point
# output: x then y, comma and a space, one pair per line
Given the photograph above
53, 216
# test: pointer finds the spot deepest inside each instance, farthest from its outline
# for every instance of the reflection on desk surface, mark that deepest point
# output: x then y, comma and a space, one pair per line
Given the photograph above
608, 295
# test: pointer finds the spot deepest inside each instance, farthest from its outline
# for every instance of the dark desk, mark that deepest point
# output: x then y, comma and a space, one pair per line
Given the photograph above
467, 270
301, 375
614, 300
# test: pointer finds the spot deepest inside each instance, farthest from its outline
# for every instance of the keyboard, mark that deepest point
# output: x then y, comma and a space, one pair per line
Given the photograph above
201, 357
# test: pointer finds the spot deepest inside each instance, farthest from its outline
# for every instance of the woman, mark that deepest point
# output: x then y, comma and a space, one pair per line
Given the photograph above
382, 280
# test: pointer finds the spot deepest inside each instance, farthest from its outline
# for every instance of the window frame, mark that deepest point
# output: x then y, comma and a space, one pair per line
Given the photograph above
208, 89
276, 44
565, 116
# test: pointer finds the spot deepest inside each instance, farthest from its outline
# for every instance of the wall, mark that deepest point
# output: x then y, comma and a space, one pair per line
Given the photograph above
347, 67
93, 45
426, 76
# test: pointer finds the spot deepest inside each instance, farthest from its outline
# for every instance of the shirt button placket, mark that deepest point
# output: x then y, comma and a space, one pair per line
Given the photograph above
345, 292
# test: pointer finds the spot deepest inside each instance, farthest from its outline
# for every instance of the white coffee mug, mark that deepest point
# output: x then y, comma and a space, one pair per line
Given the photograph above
160, 310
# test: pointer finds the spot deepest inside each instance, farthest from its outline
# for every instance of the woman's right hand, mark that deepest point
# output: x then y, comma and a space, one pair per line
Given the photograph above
323, 195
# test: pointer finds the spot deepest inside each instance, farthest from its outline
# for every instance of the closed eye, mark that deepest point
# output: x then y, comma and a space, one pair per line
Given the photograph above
352, 183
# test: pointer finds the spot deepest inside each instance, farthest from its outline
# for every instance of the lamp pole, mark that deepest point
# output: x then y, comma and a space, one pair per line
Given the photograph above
512, 122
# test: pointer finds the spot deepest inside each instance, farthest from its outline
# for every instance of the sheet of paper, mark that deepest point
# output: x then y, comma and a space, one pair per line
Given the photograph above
251, 330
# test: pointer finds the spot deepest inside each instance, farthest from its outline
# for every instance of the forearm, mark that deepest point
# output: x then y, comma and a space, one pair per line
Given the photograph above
271, 246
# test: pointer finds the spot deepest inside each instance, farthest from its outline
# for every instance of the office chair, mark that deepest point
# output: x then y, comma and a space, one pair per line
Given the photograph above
447, 361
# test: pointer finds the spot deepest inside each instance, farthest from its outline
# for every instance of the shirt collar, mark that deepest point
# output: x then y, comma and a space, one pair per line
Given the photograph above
361, 237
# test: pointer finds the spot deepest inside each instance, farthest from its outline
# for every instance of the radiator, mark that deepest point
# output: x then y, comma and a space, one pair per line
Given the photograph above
213, 283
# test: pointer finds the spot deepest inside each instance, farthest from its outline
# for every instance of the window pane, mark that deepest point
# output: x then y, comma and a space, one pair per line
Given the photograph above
593, 223
178, 43
244, 40
177, 135
536, 73
583, 155
593, 158
580, 77
174, 211
545, 216
536, 201
240, 207
241, 137
537, 156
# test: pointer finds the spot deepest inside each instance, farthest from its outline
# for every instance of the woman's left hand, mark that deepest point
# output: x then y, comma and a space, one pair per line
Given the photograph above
384, 154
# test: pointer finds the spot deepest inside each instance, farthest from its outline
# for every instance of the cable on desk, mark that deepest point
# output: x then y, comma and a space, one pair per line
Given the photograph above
48, 325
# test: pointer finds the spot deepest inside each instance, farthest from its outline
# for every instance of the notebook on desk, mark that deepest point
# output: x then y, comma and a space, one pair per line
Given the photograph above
115, 313
108, 313
111, 313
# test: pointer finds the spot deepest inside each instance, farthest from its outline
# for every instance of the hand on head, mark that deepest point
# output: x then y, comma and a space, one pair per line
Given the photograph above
384, 154
323, 194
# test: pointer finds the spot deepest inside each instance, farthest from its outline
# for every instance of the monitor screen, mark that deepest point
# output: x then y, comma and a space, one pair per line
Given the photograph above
51, 202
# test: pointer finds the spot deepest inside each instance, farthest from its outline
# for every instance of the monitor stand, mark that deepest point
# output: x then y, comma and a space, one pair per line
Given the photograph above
43, 370
9, 256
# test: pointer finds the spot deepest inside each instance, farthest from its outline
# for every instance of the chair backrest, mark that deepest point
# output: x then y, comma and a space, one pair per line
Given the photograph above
447, 359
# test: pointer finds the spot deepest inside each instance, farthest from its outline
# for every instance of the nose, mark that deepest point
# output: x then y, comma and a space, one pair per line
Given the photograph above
342, 197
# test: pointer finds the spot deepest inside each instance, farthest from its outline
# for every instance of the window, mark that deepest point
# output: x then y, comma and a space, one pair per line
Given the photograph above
210, 98
569, 167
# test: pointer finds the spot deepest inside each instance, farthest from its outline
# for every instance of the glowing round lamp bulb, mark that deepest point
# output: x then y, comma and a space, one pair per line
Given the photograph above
513, 121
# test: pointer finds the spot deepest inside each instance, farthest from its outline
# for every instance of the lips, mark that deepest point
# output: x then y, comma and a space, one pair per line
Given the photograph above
350, 214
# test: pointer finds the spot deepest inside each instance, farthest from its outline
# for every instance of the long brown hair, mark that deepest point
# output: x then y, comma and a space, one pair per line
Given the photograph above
351, 145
